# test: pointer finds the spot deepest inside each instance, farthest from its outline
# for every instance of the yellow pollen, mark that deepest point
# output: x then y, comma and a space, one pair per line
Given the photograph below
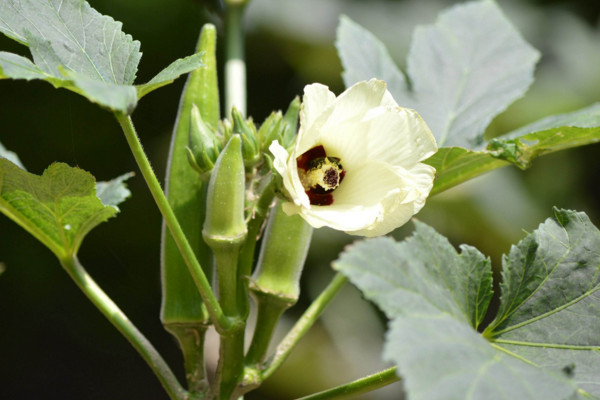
325, 173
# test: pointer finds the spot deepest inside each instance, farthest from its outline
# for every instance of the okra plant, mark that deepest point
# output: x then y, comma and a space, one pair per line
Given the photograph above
240, 201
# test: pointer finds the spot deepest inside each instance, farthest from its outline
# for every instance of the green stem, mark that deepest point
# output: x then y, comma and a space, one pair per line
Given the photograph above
307, 320
227, 260
212, 305
231, 363
270, 310
235, 66
245, 264
230, 368
359, 386
246, 259
120, 321
190, 337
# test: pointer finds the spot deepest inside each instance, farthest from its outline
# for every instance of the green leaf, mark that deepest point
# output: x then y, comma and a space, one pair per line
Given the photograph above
588, 117
523, 150
172, 72
455, 165
365, 57
10, 156
75, 35
73, 46
59, 207
115, 97
113, 192
15, 66
550, 305
464, 70
436, 299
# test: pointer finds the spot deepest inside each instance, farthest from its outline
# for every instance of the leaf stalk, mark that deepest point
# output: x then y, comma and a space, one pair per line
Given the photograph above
120, 321
219, 319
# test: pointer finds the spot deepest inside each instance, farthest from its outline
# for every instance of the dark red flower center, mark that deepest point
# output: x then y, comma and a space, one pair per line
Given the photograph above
320, 175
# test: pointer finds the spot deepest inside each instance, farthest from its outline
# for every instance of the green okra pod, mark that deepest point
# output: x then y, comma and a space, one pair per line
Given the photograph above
225, 232
275, 283
225, 224
182, 310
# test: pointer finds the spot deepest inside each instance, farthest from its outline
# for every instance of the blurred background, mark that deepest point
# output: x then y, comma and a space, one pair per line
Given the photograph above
55, 345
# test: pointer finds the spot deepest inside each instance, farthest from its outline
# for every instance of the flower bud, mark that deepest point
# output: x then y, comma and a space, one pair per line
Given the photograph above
203, 148
247, 130
290, 120
270, 130
225, 224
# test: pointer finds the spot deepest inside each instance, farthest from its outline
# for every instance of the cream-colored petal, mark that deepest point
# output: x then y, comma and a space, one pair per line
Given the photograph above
342, 218
394, 215
316, 101
398, 136
347, 141
356, 101
397, 207
380, 146
368, 184
281, 157
420, 177
284, 165
356, 203
388, 100
300, 197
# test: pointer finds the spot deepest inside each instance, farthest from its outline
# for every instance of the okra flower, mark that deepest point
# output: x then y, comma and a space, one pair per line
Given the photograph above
357, 163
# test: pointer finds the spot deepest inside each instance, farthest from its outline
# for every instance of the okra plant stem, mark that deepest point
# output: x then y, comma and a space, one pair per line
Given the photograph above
120, 321
235, 66
359, 386
305, 322
218, 318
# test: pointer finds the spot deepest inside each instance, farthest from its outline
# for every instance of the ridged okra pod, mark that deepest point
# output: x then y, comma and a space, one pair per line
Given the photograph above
182, 311
225, 231
275, 283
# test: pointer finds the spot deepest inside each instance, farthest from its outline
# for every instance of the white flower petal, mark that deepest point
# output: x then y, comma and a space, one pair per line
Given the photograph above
380, 146
287, 169
316, 100
347, 141
342, 218
388, 100
398, 208
401, 129
301, 197
396, 215
356, 101
367, 185
357, 202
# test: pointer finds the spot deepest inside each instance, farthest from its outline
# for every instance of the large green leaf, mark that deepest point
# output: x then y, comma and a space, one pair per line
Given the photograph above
545, 342
71, 34
18, 67
463, 70
59, 207
588, 117
365, 57
550, 305
455, 165
521, 151
75, 47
